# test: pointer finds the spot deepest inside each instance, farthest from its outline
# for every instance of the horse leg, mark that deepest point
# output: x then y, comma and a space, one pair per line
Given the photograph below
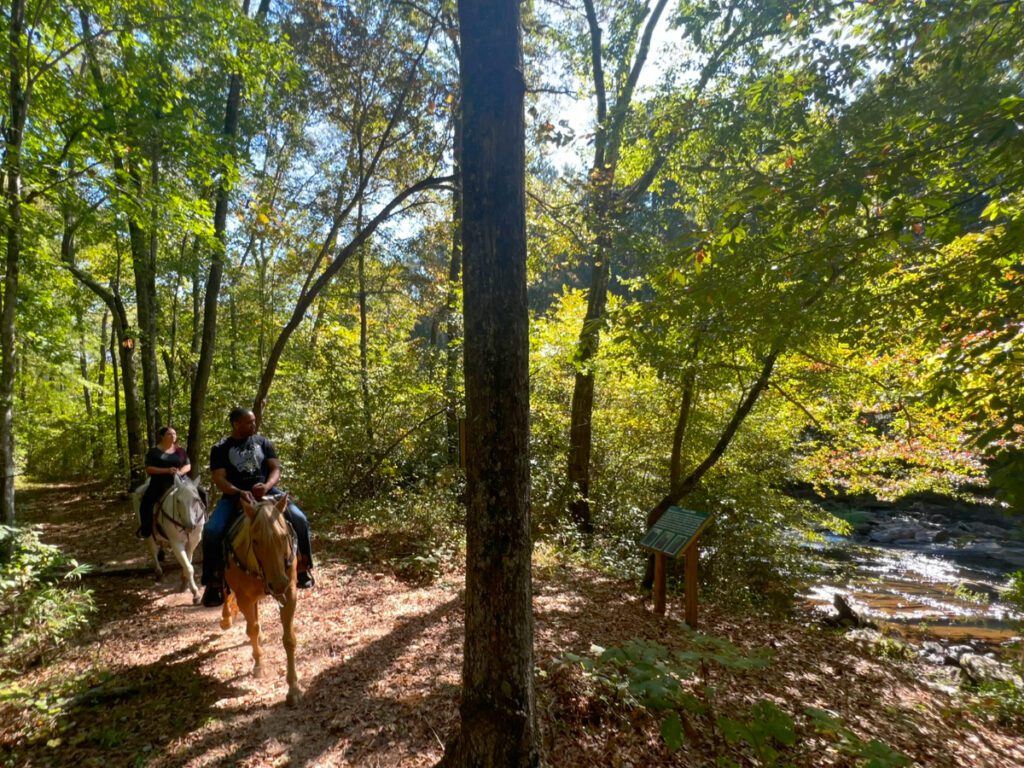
187, 574
251, 611
154, 552
191, 543
290, 642
229, 611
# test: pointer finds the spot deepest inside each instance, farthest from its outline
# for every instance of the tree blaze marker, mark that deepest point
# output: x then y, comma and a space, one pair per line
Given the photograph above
673, 534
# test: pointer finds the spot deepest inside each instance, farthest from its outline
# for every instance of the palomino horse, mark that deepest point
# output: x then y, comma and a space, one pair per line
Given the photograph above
177, 524
261, 561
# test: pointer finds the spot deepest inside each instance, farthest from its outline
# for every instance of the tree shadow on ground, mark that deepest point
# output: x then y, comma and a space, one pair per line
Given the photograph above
377, 703
104, 719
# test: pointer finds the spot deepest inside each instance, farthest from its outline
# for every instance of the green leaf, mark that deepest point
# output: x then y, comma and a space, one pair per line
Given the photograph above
672, 732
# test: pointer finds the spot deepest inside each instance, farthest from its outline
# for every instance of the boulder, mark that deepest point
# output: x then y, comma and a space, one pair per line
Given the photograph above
847, 617
975, 669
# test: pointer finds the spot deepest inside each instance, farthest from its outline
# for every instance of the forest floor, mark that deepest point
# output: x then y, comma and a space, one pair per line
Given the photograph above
156, 682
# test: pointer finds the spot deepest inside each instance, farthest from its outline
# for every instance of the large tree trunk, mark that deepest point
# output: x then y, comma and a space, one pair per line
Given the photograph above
220, 217
498, 719
18, 104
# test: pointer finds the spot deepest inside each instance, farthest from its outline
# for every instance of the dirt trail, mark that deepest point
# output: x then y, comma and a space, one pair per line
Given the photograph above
156, 682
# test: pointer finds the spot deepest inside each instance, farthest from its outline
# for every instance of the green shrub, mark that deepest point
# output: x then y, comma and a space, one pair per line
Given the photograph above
1003, 701
675, 686
40, 605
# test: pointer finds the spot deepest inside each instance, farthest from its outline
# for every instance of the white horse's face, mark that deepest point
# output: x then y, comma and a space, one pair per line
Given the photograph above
186, 504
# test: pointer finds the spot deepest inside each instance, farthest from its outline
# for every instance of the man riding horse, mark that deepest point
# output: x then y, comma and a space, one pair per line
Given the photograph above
245, 466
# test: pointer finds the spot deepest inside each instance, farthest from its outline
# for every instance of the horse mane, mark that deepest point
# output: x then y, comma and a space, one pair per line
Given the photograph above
270, 526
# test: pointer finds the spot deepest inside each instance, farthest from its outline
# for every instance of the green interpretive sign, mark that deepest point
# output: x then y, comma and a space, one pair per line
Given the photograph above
675, 531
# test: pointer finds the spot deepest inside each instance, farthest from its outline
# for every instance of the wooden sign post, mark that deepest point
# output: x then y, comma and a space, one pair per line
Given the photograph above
675, 533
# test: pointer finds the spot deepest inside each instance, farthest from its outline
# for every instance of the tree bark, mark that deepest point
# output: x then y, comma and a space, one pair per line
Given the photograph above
18, 104
364, 339
101, 378
453, 310
118, 434
607, 145
675, 469
497, 710
220, 216
83, 366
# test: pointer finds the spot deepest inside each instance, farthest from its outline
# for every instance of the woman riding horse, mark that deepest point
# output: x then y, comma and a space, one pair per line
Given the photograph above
163, 461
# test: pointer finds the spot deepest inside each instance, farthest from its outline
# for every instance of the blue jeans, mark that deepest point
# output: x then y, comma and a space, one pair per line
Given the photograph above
216, 528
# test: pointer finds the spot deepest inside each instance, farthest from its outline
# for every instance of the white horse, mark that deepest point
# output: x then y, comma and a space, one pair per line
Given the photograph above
178, 522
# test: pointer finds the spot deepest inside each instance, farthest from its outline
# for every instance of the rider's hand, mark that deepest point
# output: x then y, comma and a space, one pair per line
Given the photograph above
246, 497
259, 490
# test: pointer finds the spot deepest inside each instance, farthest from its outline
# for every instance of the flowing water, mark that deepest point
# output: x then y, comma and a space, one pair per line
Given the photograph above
930, 572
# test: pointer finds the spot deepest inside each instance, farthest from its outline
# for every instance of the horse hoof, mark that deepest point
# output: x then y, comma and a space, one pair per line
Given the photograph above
197, 599
257, 671
293, 697
157, 576
225, 623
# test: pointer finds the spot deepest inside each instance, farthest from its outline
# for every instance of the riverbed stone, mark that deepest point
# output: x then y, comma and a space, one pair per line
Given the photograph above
976, 669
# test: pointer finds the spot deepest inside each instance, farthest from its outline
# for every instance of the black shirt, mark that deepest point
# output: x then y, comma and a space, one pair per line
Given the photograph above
244, 460
174, 458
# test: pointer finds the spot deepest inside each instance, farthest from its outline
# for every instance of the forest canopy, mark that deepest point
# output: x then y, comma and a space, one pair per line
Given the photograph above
772, 246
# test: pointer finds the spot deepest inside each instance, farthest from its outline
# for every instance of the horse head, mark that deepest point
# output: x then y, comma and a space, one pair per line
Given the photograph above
187, 506
273, 543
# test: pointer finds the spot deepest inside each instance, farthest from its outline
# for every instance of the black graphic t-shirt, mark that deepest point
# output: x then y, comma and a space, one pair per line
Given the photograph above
244, 460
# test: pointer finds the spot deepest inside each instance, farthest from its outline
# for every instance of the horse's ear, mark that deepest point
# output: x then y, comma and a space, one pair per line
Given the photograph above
249, 509
282, 503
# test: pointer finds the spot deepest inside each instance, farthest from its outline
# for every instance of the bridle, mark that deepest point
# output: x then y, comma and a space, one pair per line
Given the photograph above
173, 494
293, 548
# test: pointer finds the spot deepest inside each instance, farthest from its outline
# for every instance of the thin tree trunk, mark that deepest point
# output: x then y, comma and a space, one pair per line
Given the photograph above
453, 309
364, 372
126, 346
307, 298
83, 366
197, 299
101, 378
497, 710
678, 491
607, 146
18, 103
213, 280
118, 435
683, 420
169, 357
581, 432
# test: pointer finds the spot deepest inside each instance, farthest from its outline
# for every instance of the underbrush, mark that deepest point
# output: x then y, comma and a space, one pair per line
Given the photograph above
678, 689
416, 531
41, 603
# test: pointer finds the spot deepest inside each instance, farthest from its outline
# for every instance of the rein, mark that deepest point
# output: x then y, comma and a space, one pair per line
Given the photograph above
241, 561
171, 494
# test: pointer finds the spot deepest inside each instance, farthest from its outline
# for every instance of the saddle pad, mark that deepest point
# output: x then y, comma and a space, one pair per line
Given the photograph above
240, 546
